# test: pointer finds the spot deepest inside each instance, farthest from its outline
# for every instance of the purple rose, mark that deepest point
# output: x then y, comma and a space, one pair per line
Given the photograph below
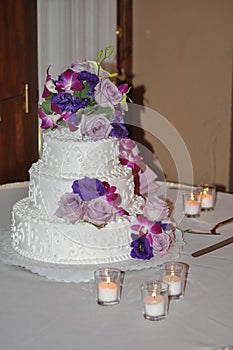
88, 188
97, 126
100, 212
155, 208
161, 243
141, 249
71, 207
107, 93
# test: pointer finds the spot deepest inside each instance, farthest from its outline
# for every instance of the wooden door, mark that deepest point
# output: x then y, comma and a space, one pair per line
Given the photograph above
18, 89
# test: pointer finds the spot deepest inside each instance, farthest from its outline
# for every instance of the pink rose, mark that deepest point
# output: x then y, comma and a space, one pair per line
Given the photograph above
99, 212
97, 126
107, 93
71, 207
155, 208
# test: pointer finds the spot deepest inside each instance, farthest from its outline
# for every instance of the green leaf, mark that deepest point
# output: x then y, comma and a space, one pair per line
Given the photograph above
84, 92
95, 110
46, 106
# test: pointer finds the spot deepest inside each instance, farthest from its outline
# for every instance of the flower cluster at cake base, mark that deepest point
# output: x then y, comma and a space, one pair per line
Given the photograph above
152, 238
97, 203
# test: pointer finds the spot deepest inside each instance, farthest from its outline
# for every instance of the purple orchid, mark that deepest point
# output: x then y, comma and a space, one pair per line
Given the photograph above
49, 86
48, 121
129, 155
112, 197
68, 81
146, 226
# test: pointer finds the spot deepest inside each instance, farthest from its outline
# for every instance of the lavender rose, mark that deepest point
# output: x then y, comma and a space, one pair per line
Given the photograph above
155, 208
161, 243
99, 212
107, 93
88, 188
97, 126
71, 207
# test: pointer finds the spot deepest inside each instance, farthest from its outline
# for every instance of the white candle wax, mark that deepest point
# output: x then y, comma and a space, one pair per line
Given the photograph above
192, 207
154, 305
107, 291
174, 283
207, 201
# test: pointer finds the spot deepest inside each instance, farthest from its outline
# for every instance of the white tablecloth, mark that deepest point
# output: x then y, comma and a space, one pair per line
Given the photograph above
37, 313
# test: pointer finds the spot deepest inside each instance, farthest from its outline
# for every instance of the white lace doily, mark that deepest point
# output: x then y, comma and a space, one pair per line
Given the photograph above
73, 273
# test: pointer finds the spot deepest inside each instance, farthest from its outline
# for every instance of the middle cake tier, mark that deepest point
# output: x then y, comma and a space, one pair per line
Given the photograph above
45, 190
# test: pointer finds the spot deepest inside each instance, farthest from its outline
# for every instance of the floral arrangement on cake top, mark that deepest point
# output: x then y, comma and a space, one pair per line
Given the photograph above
85, 98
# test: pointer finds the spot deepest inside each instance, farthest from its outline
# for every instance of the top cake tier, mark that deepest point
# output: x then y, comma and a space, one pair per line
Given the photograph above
68, 155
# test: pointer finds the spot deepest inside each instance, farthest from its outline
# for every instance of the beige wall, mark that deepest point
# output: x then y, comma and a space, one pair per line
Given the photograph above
182, 54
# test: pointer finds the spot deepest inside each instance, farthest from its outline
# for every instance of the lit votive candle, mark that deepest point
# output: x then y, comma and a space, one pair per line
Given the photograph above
208, 197
174, 283
192, 207
207, 201
107, 291
154, 305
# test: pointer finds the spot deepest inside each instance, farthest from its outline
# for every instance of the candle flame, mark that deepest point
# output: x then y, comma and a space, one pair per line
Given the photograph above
154, 292
108, 280
172, 271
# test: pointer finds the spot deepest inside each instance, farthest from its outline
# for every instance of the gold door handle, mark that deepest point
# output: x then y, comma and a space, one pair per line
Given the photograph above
26, 99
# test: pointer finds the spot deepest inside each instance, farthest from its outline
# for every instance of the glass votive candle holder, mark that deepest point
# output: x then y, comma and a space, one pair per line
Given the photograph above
192, 202
108, 286
208, 197
154, 300
174, 274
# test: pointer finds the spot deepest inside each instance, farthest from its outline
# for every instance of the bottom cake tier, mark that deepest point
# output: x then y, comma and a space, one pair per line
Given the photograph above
41, 238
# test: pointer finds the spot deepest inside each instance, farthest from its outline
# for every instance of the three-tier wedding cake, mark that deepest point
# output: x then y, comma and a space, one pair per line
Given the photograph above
83, 206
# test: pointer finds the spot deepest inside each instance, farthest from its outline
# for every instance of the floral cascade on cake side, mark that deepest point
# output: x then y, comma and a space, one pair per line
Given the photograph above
85, 100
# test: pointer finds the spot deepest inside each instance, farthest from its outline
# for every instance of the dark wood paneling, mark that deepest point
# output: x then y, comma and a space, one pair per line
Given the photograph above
18, 66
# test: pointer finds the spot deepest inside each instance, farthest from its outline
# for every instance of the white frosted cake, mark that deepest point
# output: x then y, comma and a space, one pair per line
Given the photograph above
83, 206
